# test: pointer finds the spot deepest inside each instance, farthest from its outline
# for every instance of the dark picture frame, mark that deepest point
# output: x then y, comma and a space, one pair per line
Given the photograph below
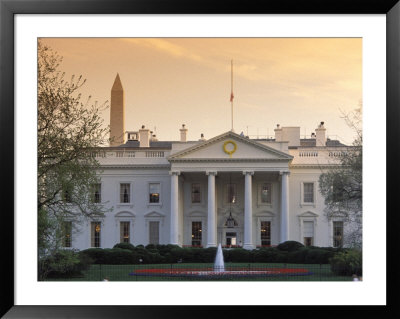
8, 10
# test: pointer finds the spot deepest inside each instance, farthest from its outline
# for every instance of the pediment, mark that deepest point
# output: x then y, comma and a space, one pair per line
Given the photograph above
154, 214
308, 214
125, 214
230, 146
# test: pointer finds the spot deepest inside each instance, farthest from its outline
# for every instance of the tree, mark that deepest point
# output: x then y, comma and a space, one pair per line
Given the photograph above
68, 133
341, 186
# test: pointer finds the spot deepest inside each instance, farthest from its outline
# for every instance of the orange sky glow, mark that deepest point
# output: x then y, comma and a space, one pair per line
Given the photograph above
173, 81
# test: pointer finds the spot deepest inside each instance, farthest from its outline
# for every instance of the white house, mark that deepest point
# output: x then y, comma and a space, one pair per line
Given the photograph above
229, 189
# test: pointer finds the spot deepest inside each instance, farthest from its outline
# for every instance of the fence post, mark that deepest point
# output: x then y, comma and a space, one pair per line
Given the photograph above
286, 274
320, 270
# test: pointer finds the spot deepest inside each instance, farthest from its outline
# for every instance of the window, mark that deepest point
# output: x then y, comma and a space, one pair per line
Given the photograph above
308, 233
196, 193
266, 193
231, 192
67, 234
196, 233
337, 234
308, 192
95, 233
265, 233
154, 190
154, 233
97, 193
125, 193
125, 232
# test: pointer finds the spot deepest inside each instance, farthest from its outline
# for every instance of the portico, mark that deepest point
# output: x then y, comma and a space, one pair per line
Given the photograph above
229, 197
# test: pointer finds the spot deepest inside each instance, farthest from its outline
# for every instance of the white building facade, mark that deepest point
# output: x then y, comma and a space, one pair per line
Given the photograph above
229, 189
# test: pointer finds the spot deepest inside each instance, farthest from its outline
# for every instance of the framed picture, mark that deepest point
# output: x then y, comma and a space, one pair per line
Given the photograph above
22, 23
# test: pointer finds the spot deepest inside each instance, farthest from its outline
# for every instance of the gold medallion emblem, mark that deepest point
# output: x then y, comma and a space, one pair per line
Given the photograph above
230, 149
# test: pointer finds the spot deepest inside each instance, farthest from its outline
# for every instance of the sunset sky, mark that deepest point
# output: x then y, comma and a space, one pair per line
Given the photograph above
173, 81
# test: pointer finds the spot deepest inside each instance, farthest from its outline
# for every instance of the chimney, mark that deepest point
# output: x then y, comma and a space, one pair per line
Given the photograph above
153, 138
278, 133
320, 135
202, 137
183, 133
144, 137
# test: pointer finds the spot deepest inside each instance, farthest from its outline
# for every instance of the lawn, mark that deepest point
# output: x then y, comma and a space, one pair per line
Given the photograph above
279, 272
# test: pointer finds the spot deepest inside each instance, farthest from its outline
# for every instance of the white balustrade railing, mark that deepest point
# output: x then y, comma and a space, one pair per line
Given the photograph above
126, 153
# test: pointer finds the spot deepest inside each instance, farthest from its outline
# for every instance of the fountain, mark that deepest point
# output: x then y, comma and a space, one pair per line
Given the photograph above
219, 271
219, 265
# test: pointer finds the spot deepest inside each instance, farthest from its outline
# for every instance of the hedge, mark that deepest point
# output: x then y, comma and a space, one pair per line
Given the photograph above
114, 256
288, 252
290, 245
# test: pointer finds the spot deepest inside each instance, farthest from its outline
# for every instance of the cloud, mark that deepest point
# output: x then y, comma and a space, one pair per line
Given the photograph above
167, 47
216, 58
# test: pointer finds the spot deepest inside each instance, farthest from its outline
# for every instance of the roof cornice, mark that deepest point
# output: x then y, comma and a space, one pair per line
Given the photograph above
228, 160
147, 166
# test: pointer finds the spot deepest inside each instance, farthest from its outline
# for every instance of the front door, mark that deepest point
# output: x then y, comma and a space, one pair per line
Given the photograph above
231, 239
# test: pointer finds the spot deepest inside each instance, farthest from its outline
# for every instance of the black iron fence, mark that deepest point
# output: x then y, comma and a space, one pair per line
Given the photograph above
207, 272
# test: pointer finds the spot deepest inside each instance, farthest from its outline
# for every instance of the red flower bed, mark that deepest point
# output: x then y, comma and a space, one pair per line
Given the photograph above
227, 272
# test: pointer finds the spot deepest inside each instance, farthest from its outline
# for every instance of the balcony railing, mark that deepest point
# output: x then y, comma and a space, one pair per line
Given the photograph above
129, 154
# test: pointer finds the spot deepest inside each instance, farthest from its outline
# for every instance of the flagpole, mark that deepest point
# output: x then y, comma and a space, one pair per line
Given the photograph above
232, 95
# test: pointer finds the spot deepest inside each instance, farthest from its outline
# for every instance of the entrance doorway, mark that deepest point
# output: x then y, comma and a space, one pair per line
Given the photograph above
231, 239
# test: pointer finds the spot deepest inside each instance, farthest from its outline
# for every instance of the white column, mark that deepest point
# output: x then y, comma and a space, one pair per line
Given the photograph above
211, 229
174, 208
284, 207
248, 213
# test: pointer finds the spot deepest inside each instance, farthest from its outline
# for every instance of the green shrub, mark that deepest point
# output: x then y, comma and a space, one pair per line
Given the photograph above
207, 255
66, 263
152, 258
114, 256
119, 256
297, 256
237, 255
165, 249
268, 255
309, 255
125, 246
290, 245
168, 258
85, 262
176, 254
346, 263
187, 255
96, 254
318, 255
